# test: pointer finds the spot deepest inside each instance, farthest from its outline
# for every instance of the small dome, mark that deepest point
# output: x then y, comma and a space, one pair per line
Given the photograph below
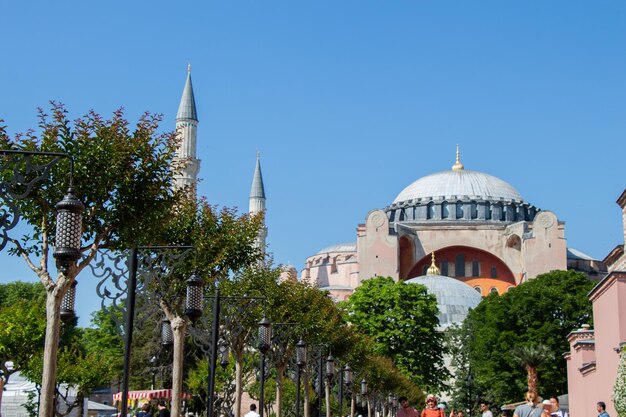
343, 247
461, 184
454, 298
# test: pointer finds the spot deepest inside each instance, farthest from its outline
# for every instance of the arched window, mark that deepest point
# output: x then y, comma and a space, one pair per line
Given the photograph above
478, 290
474, 209
445, 210
430, 214
493, 290
494, 272
459, 209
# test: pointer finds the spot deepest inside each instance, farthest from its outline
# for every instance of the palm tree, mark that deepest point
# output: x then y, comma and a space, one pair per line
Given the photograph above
530, 357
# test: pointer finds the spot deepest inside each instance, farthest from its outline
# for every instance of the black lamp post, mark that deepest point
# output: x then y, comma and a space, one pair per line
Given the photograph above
301, 357
265, 340
167, 335
364, 395
193, 301
347, 381
153, 369
470, 382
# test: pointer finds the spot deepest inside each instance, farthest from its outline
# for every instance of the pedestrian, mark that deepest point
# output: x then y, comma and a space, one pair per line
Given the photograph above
431, 409
484, 407
252, 412
559, 411
405, 409
530, 408
145, 411
163, 411
601, 407
547, 408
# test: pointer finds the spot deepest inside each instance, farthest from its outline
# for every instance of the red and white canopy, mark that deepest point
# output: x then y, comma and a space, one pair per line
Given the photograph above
150, 394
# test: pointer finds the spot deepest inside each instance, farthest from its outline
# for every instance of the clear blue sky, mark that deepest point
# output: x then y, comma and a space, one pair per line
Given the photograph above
347, 101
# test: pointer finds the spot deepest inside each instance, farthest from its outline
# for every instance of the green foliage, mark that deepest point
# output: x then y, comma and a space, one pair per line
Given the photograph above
401, 319
619, 389
122, 175
22, 325
541, 311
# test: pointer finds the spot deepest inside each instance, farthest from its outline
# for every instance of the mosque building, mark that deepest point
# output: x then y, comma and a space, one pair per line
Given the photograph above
482, 232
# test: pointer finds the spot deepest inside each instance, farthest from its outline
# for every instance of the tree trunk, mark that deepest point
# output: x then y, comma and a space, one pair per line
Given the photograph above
54, 295
80, 407
352, 403
305, 388
238, 382
279, 389
369, 408
327, 392
2, 384
179, 325
532, 378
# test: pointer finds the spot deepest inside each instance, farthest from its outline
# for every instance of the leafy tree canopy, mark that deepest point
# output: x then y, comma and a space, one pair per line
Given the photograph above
540, 312
402, 321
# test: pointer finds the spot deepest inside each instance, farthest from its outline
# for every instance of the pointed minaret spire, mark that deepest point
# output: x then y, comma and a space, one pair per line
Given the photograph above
257, 200
187, 126
458, 166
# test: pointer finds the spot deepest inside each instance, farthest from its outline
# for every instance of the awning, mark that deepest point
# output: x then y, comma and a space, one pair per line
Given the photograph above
150, 394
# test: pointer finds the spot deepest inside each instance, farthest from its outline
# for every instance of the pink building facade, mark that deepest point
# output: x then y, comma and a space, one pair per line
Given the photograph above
593, 358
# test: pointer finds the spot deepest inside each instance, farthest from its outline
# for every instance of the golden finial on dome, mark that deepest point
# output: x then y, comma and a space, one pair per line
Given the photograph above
458, 166
433, 270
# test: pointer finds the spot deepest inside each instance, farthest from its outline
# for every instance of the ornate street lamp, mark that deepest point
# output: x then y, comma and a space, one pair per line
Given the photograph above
330, 368
265, 340
68, 302
69, 231
363, 387
167, 335
194, 299
301, 356
224, 353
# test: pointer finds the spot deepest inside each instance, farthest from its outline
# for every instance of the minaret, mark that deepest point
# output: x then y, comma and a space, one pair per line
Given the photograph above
187, 127
257, 201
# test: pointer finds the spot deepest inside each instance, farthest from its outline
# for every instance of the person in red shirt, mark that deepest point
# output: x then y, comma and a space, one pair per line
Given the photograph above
405, 409
431, 409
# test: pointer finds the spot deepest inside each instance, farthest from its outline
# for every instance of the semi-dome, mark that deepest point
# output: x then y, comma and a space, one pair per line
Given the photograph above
342, 247
454, 297
459, 184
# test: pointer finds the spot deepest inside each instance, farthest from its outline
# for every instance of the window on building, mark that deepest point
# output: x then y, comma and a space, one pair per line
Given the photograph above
445, 210
474, 208
430, 214
493, 290
478, 290
460, 265
444, 268
475, 268
425, 270
494, 272
459, 209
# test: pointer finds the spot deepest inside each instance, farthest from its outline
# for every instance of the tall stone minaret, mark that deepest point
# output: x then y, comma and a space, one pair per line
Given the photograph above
257, 201
187, 128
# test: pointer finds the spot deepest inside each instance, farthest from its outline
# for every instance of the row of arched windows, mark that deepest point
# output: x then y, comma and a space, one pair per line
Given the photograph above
460, 268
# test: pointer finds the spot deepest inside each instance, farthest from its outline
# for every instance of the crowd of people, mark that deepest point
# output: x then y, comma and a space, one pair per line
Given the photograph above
532, 407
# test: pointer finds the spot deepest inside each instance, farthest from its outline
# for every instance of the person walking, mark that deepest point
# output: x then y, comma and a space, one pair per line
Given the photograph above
163, 411
431, 409
531, 408
601, 407
252, 412
559, 411
405, 409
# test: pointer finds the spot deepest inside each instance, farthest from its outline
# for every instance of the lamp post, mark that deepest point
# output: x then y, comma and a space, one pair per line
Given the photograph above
330, 375
153, 370
347, 381
364, 394
470, 382
265, 340
301, 357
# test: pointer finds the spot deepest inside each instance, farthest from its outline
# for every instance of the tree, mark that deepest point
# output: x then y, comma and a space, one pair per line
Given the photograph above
530, 357
541, 311
123, 177
22, 324
619, 389
402, 321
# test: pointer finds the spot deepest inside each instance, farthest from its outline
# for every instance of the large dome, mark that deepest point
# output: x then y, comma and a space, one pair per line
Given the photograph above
461, 184
454, 298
